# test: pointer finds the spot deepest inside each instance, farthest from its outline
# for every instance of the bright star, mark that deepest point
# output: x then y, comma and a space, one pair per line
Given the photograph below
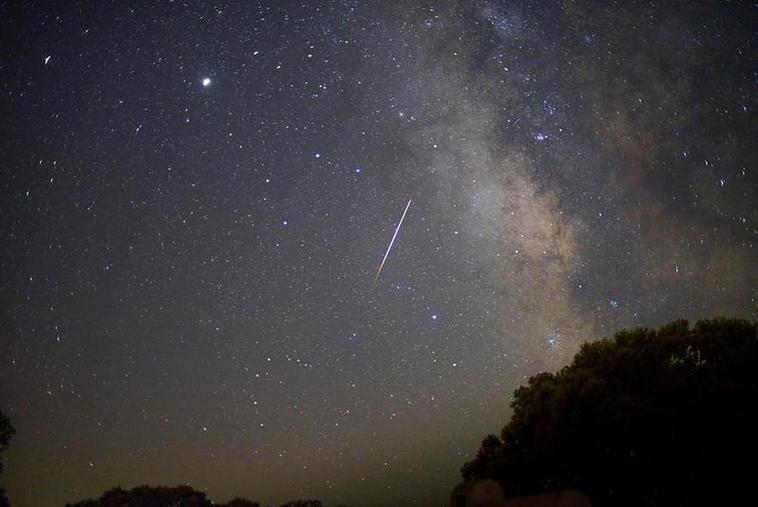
206, 82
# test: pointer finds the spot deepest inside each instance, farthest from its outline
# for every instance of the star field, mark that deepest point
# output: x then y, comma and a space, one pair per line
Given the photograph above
196, 197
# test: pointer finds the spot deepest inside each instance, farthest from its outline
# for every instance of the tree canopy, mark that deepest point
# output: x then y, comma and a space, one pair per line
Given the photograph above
664, 417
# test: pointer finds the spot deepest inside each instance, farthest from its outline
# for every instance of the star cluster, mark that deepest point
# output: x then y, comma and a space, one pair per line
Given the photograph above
196, 197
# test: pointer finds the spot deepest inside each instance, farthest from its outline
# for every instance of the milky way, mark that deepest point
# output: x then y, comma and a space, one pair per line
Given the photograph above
195, 199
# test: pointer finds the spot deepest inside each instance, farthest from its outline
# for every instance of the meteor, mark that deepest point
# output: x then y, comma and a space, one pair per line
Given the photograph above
392, 241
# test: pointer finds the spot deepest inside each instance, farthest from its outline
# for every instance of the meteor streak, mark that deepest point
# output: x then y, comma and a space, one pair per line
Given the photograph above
392, 241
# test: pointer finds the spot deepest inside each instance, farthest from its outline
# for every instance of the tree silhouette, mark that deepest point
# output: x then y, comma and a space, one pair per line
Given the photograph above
239, 502
177, 496
665, 417
6, 432
158, 496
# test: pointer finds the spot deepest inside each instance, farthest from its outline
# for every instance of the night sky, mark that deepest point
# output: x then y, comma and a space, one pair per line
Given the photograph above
196, 198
